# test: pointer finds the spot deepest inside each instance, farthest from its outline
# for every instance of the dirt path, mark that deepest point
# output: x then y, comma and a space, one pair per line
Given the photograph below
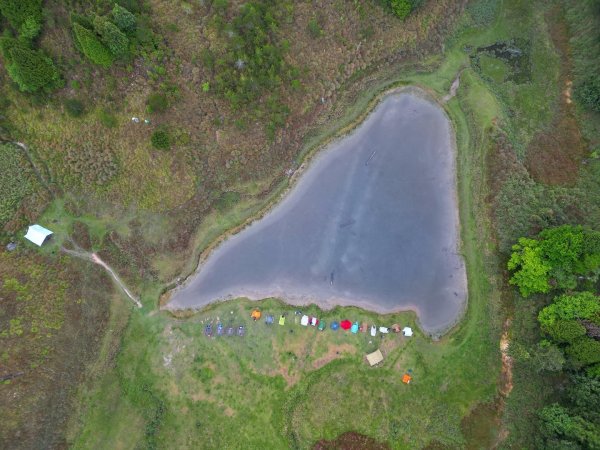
453, 88
96, 260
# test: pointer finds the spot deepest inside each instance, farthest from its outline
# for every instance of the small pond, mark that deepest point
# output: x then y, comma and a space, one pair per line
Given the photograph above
372, 222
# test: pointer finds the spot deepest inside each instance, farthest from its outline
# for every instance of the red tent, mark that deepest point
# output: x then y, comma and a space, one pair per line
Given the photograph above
346, 324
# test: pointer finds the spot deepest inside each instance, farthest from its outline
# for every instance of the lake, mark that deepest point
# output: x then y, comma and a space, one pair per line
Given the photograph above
372, 222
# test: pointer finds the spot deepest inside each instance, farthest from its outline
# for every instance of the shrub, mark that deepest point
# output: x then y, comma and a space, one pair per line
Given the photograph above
111, 36
585, 351
91, 46
17, 12
564, 330
401, 8
161, 139
107, 119
30, 29
314, 29
157, 102
588, 93
227, 200
30, 69
123, 19
74, 107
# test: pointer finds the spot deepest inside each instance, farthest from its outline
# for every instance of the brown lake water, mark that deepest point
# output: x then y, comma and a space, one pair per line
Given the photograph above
372, 222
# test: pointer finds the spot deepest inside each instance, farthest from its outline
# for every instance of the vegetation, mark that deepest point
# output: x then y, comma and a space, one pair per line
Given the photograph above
91, 46
161, 139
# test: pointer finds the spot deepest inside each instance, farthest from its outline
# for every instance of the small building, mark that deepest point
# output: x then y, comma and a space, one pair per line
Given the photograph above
375, 358
407, 331
37, 234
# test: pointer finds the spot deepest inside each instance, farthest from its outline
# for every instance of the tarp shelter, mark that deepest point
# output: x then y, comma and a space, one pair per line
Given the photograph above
255, 314
282, 320
354, 328
335, 325
346, 324
304, 321
375, 358
406, 378
37, 234
407, 331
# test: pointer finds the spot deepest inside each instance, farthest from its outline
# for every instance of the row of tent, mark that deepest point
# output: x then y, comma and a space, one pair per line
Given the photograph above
335, 325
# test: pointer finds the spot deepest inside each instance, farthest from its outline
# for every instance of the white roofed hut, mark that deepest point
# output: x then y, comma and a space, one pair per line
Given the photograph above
38, 234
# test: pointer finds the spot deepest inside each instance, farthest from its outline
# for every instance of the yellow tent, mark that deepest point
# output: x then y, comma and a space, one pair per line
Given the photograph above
255, 314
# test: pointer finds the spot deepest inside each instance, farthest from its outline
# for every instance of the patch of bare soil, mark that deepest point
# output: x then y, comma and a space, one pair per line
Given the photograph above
554, 154
351, 441
333, 352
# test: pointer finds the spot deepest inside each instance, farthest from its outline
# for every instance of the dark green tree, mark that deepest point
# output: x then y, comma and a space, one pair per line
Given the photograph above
564, 331
17, 12
111, 36
91, 46
123, 19
31, 69
585, 351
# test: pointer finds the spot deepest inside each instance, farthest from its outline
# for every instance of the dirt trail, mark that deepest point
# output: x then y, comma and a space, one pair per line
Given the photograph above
506, 384
96, 260
453, 88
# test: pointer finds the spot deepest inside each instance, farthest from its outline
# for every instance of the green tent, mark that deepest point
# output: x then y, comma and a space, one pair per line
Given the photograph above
322, 325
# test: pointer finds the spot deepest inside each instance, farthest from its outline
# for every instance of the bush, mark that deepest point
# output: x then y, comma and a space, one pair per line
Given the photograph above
107, 119
157, 102
123, 19
161, 139
17, 12
401, 8
30, 69
588, 93
585, 351
314, 29
564, 330
111, 36
91, 46
74, 107
227, 200
30, 29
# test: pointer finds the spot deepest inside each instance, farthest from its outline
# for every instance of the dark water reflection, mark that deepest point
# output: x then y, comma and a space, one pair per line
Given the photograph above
373, 223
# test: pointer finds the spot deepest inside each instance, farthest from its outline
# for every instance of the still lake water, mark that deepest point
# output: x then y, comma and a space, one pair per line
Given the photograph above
373, 222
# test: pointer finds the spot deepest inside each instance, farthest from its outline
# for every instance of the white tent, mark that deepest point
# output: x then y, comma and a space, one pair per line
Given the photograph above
304, 320
384, 330
407, 331
375, 358
37, 234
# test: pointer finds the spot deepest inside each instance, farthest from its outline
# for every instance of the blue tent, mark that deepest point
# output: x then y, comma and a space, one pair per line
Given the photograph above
335, 325
354, 328
269, 319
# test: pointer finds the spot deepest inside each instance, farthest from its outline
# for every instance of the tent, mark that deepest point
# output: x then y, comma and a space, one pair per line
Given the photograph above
304, 321
396, 328
255, 314
384, 330
322, 325
346, 324
406, 378
407, 331
37, 234
314, 321
282, 320
373, 330
354, 328
375, 358
335, 325
269, 319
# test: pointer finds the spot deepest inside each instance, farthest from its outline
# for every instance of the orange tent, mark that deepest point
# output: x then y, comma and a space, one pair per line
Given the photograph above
255, 314
406, 378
